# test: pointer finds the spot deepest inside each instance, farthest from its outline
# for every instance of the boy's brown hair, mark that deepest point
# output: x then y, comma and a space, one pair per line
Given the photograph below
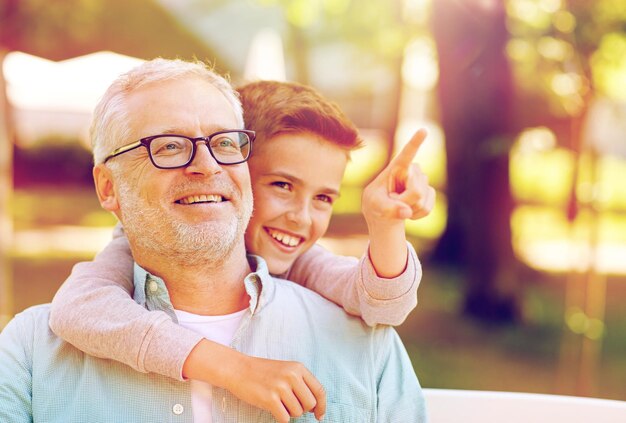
272, 108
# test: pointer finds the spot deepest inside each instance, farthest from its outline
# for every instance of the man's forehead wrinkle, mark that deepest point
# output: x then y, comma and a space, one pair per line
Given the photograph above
190, 130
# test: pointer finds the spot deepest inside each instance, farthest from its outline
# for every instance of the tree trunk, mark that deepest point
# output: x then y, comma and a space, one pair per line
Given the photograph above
475, 94
299, 47
6, 188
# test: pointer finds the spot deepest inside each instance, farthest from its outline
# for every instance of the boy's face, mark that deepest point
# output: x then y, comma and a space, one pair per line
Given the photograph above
295, 180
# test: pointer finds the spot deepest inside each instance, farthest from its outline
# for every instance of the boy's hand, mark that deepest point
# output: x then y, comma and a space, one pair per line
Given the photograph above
401, 190
284, 388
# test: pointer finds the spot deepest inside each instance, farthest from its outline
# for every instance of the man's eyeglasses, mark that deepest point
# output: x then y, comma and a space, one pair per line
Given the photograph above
171, 151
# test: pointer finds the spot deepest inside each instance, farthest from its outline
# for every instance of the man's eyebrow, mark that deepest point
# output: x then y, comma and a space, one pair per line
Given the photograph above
295, 179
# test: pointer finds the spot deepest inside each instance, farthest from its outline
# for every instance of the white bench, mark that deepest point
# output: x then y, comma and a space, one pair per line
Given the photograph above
466, 406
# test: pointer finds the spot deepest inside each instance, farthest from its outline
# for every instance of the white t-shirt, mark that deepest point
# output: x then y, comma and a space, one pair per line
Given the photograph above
220, 329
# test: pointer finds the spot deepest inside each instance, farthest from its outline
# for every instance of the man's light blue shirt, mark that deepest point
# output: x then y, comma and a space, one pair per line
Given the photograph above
366, 371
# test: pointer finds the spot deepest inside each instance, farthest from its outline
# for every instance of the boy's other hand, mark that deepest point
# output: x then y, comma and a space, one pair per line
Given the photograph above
284, 388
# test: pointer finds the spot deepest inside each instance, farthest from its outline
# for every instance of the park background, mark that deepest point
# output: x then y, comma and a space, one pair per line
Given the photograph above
524, 255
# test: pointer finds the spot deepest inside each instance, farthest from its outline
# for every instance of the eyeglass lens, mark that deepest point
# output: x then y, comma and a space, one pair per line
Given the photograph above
175, 151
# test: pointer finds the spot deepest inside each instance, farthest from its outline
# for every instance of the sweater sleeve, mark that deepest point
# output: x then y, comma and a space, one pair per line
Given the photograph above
94, 311
354, 284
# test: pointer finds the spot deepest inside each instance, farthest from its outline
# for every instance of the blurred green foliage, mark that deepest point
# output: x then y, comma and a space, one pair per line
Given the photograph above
567, 51
51, 206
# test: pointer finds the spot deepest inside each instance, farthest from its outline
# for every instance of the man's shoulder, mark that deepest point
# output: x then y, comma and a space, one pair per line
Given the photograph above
34, 317
36, 310
26, 330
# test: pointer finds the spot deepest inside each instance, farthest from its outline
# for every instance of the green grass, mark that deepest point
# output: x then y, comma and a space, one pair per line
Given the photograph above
56, 206
451, 351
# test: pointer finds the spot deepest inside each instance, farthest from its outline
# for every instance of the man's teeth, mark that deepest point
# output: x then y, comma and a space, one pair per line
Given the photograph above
283, 238
210, 198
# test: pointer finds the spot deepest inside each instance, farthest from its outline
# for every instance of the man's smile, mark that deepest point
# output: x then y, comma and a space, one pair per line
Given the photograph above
201, 198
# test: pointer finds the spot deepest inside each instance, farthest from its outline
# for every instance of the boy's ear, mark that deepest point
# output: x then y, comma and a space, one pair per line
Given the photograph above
103, 180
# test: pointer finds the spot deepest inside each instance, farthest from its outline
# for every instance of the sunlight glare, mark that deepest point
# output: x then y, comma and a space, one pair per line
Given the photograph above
529, 12
565, 256
565, 84
70, 85
336, 7
554, 49
303, 13
536, 140
419, 68
61, 240
564, 21
609, 66
519, 49
416, 11
265, 58
551, 6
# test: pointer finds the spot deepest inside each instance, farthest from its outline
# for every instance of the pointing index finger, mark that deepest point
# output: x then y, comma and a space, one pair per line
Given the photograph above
406, 156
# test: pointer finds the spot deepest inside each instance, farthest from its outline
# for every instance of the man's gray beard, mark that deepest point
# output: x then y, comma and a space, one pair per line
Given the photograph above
208, 243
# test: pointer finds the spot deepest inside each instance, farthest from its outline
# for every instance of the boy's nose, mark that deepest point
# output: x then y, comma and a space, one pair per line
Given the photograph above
299, 214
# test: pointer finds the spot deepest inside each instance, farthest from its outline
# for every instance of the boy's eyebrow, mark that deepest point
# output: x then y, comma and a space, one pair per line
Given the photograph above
329, 191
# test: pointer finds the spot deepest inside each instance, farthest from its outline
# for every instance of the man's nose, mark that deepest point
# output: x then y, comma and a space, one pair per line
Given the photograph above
203, 162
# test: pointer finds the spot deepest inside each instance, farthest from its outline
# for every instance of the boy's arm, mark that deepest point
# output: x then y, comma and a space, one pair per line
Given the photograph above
401, 191
354, 284
94, 311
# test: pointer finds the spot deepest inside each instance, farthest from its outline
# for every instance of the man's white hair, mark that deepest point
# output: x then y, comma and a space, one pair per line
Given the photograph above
109, 126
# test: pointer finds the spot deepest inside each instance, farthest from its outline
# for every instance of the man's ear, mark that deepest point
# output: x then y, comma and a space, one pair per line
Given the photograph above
103, 179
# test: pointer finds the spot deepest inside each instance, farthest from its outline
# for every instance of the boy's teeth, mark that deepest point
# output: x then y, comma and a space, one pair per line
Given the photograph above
211, 198
285, 239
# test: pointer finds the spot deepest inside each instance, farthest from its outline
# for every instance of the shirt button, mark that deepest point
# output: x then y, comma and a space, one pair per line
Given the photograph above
153, 287
178, 409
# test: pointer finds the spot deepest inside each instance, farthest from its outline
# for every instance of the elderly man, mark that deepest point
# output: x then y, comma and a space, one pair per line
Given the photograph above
185, 205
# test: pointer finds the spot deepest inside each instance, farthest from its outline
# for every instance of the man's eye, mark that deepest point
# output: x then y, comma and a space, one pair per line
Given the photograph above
165, 146
225, 143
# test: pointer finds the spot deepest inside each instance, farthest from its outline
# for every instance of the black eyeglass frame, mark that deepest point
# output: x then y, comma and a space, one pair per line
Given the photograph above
207, 139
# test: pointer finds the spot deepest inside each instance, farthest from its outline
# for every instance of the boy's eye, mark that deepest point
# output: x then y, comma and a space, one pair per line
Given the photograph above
282, 185
325, 198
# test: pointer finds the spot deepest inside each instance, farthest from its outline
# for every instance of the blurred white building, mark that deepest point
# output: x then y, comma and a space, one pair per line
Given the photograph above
57, 98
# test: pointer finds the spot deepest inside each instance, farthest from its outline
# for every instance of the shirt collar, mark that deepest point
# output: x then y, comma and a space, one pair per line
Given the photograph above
151, 292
